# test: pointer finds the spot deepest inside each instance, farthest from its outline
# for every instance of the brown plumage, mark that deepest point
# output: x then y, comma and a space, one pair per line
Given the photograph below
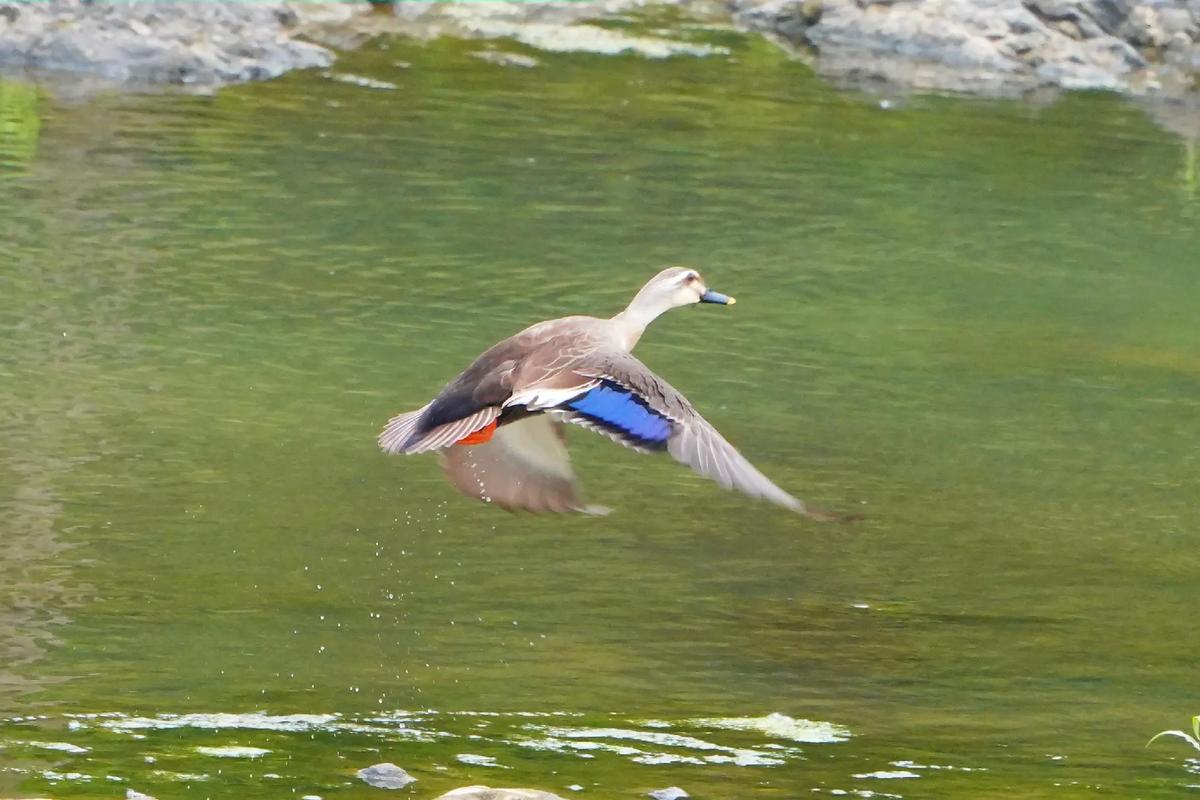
575, 370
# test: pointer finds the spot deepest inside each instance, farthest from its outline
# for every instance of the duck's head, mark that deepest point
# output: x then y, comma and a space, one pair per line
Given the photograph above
678, 286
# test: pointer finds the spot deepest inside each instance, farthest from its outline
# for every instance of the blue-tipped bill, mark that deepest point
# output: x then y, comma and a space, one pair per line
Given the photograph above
716, 297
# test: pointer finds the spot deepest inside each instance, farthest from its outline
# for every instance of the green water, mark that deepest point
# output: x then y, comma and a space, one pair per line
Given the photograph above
974, 321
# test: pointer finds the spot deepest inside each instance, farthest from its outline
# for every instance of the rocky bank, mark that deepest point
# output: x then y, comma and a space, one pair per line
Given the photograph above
991, 46
1001, 47
183, 43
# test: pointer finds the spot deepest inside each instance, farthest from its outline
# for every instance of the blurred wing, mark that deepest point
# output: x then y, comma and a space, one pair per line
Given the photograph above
639, 409
524, 466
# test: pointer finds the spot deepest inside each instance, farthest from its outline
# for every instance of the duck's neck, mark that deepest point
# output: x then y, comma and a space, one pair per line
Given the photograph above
631, 323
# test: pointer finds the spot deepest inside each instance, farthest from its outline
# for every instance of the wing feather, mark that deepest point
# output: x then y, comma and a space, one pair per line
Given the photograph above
397, 437
399, 429
525, 466
553, 367
694, 441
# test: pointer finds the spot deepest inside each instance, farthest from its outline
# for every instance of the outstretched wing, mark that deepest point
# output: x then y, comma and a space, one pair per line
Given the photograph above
524, 466
478, 395
620, 397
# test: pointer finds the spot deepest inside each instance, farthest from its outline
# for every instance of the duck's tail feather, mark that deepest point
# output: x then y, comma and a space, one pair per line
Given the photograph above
399, 429
402, 434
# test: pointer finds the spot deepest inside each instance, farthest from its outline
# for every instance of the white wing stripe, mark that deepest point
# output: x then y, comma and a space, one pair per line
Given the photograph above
539, 398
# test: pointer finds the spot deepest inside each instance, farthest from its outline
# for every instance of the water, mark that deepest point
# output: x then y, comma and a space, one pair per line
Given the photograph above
973, 321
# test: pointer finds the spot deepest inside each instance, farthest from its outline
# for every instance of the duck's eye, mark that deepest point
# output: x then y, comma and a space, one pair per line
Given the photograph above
691, 277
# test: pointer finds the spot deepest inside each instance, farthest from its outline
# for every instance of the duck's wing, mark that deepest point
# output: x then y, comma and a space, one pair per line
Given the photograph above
525, 466
475, 398
619, 396
468, 403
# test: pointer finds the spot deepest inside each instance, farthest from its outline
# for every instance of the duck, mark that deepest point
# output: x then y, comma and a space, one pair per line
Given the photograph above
499, 424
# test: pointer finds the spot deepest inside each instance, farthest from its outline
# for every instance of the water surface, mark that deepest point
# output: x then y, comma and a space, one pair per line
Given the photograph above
974, 321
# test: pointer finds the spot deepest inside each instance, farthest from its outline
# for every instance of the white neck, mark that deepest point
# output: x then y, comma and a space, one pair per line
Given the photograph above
631, 323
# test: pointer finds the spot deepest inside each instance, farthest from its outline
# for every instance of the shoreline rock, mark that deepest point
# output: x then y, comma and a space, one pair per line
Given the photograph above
552, 26
990, 47
983, 47
206, 44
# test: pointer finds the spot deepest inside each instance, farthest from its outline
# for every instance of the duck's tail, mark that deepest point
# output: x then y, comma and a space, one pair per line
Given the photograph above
403, 434
399, 430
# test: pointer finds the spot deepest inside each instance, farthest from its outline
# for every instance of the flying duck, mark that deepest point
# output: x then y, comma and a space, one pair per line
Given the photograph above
495, 424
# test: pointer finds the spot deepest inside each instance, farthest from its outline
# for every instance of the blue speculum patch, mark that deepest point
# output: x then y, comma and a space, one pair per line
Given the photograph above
621, 410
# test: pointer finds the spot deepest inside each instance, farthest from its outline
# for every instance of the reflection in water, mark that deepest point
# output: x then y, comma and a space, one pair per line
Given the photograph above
38, 421
1182, 118
35, 590
52, 373
19, 125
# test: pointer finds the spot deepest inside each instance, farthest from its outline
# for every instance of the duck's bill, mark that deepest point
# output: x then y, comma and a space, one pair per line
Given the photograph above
716, 297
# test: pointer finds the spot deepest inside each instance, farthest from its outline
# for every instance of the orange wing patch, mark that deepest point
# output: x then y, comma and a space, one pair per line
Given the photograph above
480, 436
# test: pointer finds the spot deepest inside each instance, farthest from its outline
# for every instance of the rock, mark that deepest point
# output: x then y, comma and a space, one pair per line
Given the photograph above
131, 794
1142, 28
385, 776
987, 46
552, 26
199, 44
1085, 19
997, 47
669, 793
485, 793
1178, 21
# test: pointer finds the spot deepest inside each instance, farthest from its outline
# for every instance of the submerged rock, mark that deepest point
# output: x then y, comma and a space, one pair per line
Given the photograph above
385, 776
669, 793
990, 46
486, 793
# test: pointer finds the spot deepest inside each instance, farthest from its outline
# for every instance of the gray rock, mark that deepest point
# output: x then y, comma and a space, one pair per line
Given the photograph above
669, 793
202, 44
385, 776
985, 46
1142, 28
988, 46
553, 26
1178, 21
485, 793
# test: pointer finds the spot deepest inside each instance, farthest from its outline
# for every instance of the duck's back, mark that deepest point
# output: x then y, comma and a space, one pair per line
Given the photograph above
535, 352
